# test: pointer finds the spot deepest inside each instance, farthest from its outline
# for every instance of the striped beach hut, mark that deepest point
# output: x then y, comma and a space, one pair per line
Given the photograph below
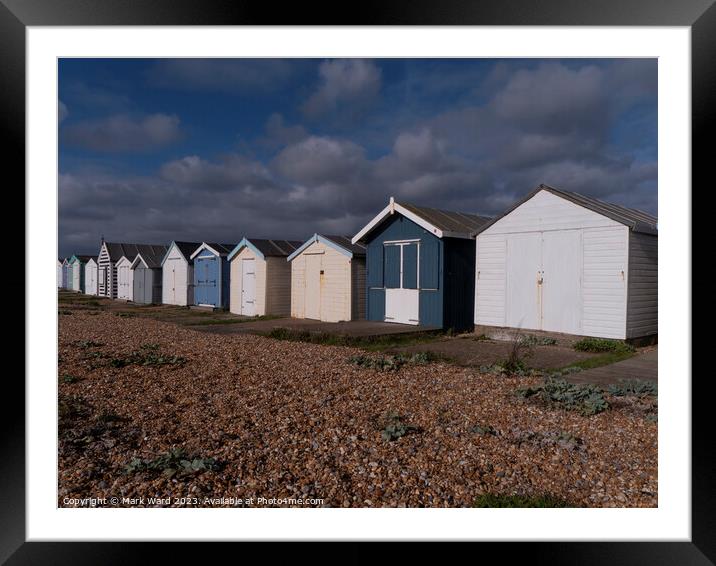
59, 273
421, 265
212, 275
328, 279
110, 254
65, 273
261, 277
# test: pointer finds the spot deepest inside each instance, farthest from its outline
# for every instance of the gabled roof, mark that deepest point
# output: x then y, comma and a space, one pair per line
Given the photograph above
441, 223
82, 258
130, 251
185, 249
636, 220
217, 249
152, 258
342, 244
267, 248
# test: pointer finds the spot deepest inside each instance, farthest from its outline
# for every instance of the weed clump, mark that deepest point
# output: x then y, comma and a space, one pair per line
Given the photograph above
586, 399
176, 462
394, 427
602, 345
392, 363
497, 500
633, 387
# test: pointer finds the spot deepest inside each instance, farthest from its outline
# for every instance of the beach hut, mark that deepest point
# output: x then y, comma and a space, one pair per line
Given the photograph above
178, 274
562, 262
261, 277
125, 278
328, 279
65, 273
76, 272
146, 271
91, 276
59, 273
212, 275
420, 265
109, 255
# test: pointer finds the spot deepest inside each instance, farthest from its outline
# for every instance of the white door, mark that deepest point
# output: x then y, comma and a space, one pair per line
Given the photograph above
562, 281
313, 286
523, 274
170, 281
248, 287
76, 276
402, 298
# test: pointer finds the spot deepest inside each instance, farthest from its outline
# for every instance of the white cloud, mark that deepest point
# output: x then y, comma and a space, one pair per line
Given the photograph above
353, 82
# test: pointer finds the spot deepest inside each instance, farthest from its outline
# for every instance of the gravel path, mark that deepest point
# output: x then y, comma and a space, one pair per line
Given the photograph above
288, 420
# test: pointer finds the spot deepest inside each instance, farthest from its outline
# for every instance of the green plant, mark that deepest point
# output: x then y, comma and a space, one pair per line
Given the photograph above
394, 427
532, 340
586, 399
174, 462
67, 378
484, 430
85, 344
392, 362
498, 500
638, 387
146, 356
601, 345
124, 314
65, 312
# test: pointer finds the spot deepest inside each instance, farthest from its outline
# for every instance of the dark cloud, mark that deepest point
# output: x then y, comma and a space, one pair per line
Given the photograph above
550, 123
123, 133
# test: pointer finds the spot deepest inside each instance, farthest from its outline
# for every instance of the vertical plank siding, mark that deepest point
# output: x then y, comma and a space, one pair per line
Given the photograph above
278, 286
643, 302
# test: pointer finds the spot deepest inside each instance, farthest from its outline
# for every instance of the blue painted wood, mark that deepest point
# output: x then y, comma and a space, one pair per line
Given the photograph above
374, 265
446, 278
391, 267
410, 266
211, 280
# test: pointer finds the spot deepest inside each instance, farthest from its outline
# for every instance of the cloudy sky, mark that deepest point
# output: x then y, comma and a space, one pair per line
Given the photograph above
216, 149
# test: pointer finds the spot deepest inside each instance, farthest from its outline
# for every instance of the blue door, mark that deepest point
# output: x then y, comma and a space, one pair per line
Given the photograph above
206, 274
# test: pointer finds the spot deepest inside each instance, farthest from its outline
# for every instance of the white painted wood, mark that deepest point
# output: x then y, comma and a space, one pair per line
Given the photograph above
248, 286
314, 285
402, 306
643, 289
76, 269
523, 276
562, 281
125, 279
91, 277
583, 257
177, 279
546, 211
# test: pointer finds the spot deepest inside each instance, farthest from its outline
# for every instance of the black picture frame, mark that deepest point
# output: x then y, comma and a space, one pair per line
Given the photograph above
16, 15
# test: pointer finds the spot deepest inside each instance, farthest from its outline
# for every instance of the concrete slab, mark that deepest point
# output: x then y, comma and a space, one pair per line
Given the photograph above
644, 365
354, 328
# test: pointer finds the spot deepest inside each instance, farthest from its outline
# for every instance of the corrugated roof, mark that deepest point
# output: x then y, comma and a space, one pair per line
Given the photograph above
130, 251
447, 220
636, 220
275, 248
345, 242
187, 248
223, 249
152, 255
86, 258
